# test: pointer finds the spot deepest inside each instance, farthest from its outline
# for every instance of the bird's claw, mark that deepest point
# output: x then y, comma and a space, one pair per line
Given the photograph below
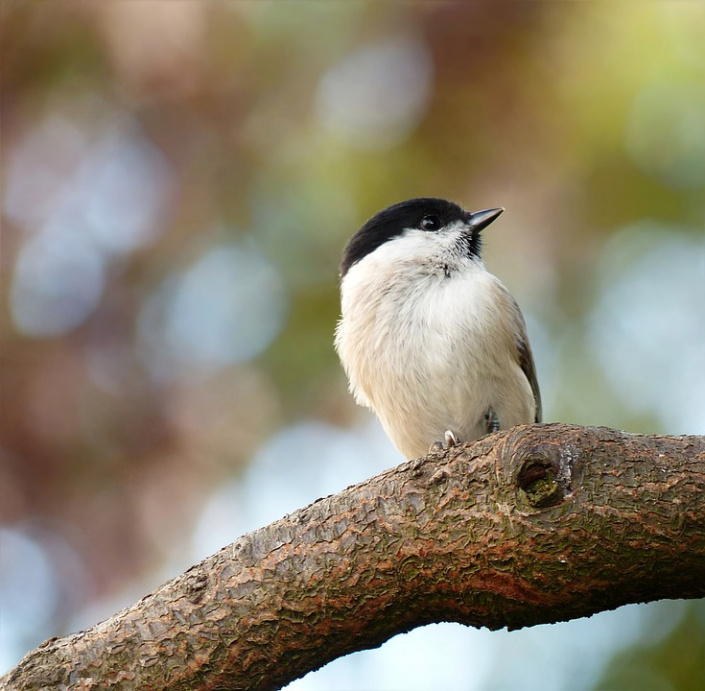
450, 439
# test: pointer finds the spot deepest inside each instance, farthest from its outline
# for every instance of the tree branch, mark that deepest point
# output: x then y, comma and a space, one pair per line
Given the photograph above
539, 524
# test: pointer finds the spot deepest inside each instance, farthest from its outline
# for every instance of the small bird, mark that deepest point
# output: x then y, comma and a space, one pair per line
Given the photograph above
430, 340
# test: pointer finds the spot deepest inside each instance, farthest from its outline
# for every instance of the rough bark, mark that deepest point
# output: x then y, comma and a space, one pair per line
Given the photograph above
539, 524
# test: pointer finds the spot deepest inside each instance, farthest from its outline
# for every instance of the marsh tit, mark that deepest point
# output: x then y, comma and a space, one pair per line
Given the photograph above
430, 340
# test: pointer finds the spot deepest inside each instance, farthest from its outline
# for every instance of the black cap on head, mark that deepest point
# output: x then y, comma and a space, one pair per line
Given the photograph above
425, 213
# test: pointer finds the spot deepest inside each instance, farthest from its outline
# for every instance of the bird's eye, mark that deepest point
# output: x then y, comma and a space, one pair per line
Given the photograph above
431, 222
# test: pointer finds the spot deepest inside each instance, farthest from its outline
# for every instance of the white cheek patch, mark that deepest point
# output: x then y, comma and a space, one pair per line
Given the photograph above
414, 244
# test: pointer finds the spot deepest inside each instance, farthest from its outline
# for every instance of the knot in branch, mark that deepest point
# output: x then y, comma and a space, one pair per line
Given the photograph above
538, 480
542, 470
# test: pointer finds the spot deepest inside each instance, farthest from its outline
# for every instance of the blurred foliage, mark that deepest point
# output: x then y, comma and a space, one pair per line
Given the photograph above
678, 662
179, 180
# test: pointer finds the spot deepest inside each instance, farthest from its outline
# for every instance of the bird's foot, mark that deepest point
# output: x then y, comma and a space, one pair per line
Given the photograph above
450, 439
491, 421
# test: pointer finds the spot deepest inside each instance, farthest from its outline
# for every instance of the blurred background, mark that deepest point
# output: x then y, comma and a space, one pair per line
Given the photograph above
178, 182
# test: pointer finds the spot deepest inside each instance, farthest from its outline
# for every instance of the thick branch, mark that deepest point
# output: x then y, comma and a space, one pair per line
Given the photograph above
539, 524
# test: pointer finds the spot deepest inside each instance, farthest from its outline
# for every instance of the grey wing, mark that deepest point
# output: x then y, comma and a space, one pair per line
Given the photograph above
526, 359
526, 362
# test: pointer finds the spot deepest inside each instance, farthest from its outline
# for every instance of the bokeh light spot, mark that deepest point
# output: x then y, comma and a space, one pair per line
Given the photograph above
225, 308
377, 95
28, 591
57, 284
648, 327
83, 204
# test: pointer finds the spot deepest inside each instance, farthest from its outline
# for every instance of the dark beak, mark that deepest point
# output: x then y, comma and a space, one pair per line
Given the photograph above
481, 219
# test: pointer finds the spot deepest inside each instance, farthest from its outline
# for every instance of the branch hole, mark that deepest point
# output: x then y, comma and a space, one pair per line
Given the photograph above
538, 479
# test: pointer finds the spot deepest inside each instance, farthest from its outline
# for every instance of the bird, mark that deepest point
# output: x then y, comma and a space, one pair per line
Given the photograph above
429, 339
